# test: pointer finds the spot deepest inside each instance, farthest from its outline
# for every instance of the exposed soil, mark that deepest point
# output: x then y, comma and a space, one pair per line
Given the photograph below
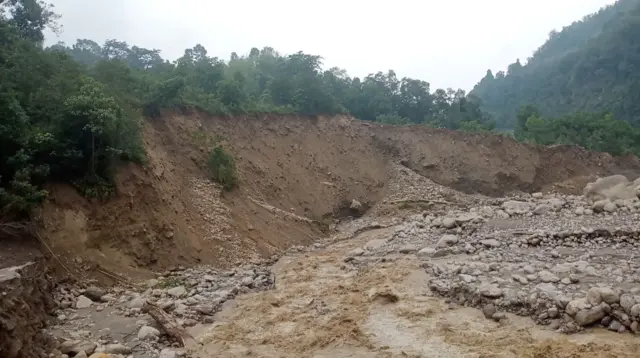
169, 213
296, 173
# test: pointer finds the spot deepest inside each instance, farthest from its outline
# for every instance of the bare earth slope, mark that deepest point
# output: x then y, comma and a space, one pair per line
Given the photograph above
292, 169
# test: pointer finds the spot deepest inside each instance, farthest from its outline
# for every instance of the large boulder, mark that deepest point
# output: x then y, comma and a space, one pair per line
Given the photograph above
614, 187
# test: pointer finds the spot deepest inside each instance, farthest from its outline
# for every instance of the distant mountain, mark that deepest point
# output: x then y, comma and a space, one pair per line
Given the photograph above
593, 65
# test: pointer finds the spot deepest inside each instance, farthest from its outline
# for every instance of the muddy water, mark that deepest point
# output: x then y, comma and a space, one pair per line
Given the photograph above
324, 307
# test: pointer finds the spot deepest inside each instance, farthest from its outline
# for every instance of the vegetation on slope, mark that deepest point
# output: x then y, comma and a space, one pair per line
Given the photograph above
70, 113
589, 66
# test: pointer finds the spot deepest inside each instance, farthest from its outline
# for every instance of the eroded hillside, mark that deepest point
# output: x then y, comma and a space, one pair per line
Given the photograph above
294, 172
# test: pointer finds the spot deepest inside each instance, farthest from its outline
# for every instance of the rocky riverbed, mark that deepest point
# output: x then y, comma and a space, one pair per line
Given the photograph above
398, 281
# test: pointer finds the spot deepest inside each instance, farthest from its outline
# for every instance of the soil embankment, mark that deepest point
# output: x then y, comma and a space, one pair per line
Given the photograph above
169, 213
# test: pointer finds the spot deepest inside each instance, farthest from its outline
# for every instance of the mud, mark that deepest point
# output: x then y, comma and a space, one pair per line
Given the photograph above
26, 303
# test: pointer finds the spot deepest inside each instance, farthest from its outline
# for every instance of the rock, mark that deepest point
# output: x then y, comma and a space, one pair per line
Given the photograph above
610, 207
490, 290
94, 293
408, 249
83, 302
542, 209
635, 311
204, 309
490, 243
177, 292
151, 283
101, 355
426, 252
537, 195
575, 306
609, 296
168, 353
107, 298
489, 310
498, 316
449, 223
634, 326
116, 348
520, 279
81, 355
627, 301
516, 207
447, 240
148, 333
593, 296
76, 346
589, 316
136, 302
355, 205
614, 326
356, 252
599, 205
546, 276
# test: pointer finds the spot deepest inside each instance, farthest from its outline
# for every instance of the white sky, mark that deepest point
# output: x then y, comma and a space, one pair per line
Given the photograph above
449, 43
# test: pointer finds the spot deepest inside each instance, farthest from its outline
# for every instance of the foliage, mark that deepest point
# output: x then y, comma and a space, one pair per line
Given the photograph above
223, 168
597, 132
58, 121
589, 66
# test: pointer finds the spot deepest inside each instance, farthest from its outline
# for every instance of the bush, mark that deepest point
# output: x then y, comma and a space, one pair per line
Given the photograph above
223, 168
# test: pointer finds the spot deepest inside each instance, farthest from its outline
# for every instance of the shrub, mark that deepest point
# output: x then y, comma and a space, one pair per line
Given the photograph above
223, 168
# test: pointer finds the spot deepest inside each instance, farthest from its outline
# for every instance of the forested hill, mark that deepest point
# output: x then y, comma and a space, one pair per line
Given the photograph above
70, 111
592, 65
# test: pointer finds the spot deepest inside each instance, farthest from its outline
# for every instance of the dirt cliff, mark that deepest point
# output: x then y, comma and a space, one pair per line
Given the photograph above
294, 172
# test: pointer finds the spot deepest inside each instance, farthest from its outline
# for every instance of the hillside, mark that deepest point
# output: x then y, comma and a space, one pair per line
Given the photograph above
588, 66
295, 173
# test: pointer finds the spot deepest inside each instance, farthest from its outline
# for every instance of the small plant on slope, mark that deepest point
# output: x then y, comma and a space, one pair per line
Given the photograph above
223, 168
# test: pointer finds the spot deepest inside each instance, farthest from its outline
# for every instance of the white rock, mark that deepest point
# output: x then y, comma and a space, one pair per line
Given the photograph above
490, 243
426, 252
177, 292
136, 302
168, 353
356, 252
546, 276
83, 302
449, 223
516, 207
447, 240
148, 333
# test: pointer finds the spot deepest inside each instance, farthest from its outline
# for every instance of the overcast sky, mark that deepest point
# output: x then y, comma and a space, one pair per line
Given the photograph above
449, 43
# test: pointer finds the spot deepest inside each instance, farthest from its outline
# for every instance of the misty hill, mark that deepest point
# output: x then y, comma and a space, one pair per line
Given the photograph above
593, 65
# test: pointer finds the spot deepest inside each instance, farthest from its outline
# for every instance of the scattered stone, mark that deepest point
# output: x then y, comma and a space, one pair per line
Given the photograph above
449, 223
83, 302
94, 293
492, 243
447, 240
490, 290
147, 332
168, 353
489, 310
356, 252
546, 276
76, 346
177, 292
589, 316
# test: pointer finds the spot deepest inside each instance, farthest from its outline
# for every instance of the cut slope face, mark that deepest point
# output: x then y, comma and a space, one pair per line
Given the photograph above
293, 171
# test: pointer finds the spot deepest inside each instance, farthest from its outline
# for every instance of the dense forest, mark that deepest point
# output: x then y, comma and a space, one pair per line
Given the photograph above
593, 66
71, 113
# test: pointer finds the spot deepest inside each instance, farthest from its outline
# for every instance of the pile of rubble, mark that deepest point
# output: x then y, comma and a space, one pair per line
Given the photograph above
567, 261
101, 323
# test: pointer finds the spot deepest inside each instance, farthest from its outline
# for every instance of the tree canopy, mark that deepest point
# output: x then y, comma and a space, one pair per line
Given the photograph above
592, 65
